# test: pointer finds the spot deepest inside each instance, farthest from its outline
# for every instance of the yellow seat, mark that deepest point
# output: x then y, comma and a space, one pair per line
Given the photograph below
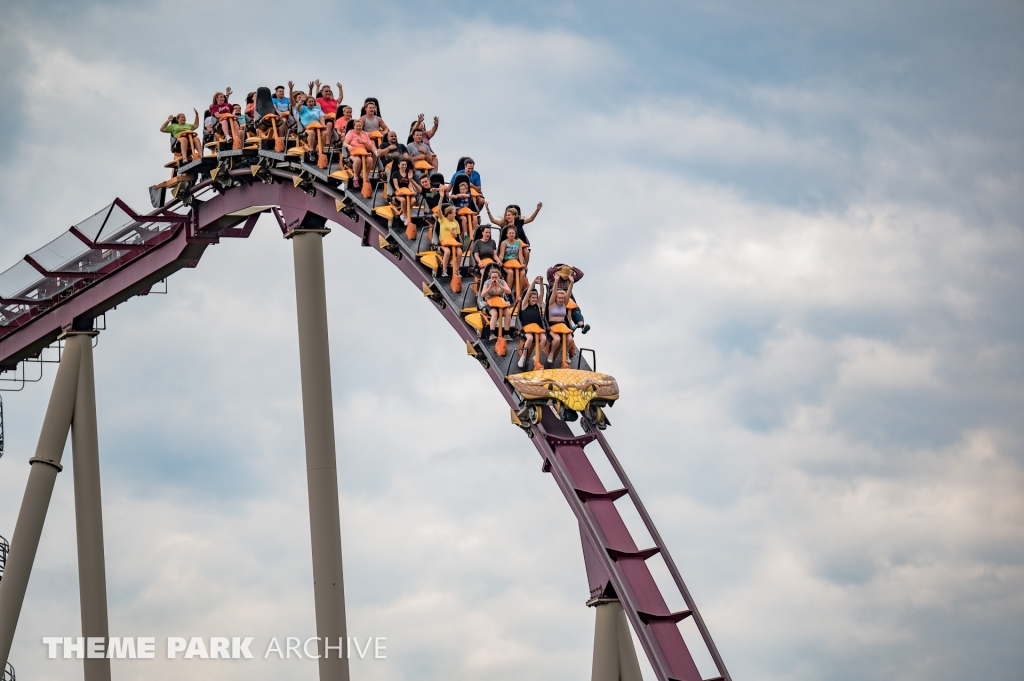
358, 151
498, 302
342, 174
465, 211
225, 116
560, 328
571, 305
405, 191
448, 241
386, 212
429, 258
533, 328
315, 126
512, 264
376, 135
473, 192
422, 165
485, 262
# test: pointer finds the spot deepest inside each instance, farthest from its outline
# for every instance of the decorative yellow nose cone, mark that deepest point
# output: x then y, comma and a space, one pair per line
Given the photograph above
574, 388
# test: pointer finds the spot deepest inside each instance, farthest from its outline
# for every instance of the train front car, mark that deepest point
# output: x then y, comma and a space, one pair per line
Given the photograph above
568, 392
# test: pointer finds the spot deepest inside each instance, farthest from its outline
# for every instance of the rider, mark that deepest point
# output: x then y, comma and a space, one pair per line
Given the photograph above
221, 107
495, 287
513, 216
562, 277
329, 105
557, 314
187, 144
448, 235
532, 320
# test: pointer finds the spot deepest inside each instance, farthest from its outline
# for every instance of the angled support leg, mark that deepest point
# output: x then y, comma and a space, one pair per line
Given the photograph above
85, 453
45, 466
614, 655
321, 459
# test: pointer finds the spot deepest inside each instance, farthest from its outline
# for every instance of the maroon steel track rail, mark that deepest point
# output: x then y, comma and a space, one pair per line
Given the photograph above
612, 556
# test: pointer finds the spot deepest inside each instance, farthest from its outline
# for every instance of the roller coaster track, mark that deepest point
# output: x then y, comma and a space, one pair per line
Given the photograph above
125, 254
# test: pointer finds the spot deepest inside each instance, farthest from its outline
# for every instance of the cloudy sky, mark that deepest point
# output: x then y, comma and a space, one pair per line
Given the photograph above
801, 226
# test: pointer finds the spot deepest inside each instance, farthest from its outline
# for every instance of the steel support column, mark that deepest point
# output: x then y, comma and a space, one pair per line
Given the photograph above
85, 453
46, 465
614, 654
321, 460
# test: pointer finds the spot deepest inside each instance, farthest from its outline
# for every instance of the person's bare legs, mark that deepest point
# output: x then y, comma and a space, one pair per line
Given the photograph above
525, 350
225, 127
556, 343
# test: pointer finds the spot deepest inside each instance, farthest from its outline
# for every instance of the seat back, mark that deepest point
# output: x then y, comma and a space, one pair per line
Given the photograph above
263, 104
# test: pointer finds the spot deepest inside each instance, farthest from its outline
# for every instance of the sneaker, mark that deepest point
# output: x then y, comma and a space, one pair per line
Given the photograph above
586, 327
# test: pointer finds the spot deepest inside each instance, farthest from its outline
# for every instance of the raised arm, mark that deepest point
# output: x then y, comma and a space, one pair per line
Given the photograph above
195, 121
341, 93
533, 217
163, 128
526, 293
433, 131
291, 93
227, 94
490, 216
